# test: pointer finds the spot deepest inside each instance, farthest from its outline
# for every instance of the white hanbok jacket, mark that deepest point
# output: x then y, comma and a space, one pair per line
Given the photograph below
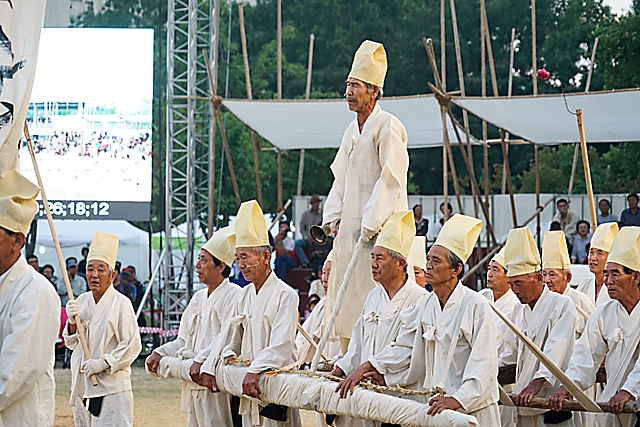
588, 287
611, 335
29, 325
581, 300
370, 183
112, 333
461, 335
505, 304
314, 326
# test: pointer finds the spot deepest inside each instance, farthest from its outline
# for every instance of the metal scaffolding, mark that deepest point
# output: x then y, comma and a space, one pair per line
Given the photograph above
191, 30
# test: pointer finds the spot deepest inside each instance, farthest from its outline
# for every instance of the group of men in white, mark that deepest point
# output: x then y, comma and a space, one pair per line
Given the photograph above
392, 332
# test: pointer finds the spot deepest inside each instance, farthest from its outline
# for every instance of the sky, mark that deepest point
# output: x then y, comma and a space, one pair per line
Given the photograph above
98, 66
619, 6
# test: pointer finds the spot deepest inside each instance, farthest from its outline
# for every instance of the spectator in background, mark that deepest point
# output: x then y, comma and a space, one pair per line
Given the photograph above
568, 221
32, 260
605, 212
438, 226
422, 224
82, 265
284, 249
136, 283
580, 244
313, 301
78, 283
631, 215
48, 272
126, 286
555, 226
310, 217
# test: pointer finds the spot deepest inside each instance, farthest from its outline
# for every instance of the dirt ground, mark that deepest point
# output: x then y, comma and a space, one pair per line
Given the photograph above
156, 403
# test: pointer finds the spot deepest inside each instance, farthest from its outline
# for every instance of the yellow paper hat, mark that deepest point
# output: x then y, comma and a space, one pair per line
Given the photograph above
459, 234
604, 236
500, 259
398, 232
329, 257
370, 63
18, 203
222, 245
554, 251
251, 228
104, 247
418, 252
625, 249
521, 253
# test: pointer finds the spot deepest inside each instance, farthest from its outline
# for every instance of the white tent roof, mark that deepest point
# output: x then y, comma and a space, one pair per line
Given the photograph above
80, 232
608, 116
298, 124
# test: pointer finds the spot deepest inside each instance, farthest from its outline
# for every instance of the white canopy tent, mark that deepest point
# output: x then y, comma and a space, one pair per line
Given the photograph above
309, 124
77, 234
608, 116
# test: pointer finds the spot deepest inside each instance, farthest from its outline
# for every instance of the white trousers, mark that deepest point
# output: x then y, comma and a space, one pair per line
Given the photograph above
210, 409
117, 411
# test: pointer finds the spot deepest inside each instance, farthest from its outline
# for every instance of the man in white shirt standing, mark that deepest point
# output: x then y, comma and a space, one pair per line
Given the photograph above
29, 315
113, 339
264, 330
595, 287
379, 324
612, 335
209, 311
548, 319
448, 338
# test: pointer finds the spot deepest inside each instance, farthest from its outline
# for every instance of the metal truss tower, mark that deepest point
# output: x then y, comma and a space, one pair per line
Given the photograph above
191, 29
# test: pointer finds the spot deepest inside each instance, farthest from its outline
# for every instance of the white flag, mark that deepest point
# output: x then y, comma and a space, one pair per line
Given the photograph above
20, 26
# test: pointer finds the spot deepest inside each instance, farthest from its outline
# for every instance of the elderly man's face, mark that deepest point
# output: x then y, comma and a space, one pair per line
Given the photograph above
384, 268
252, 265
620, 284
206, 269
439, 269
597, 260
527, 287
563, 208
358, 97
421, 279
496, 276
556, 280
326, 271
98, 277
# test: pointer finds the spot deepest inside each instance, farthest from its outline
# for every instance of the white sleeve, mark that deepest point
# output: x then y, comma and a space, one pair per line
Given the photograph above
129, 345
588, 353
333, 204
171, 348
353, 358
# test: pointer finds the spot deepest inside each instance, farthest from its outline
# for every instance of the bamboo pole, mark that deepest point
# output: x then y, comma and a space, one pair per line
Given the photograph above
212, 138
56, 243
454, 175
574, 166
537, 164
572, 405
279, 53
534, 55
443, 47
505, 154
310, 340
227, 153
591, 65
509, 92
247, 79
279, 154
445, 174
487, 35
587, 169
307, 96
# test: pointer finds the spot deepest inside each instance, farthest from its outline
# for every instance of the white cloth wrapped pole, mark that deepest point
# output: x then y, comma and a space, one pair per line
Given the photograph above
318, 394
336, 308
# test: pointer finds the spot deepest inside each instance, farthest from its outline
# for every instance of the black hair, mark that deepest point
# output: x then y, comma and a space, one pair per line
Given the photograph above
605, 200
283, 222
313, 299
582, 221
562, 200
633, 195
416, 206
454, 262
53, 270
132, 268
448, 206
32, 256
10, 233
555, 226
227, 270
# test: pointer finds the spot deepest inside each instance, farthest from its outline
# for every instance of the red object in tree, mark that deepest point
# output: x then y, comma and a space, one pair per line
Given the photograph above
543, 74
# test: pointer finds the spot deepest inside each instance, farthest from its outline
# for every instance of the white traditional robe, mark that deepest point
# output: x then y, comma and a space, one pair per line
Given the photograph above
588, 287
29, 325
552, 326
370, 183
506, 304
611, 335
424, 348
581, 300
263, 332
112, 334
202, 321
314, 326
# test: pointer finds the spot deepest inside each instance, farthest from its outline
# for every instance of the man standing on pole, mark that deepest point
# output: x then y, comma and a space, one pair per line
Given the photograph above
370, 182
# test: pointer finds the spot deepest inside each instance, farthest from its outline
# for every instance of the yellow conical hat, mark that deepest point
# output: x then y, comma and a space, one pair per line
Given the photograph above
625, 249
398, 232
459, 234
604, 236
370, 63
554, 251
222, 245
521, 253
104, 247
499, 258
18, 203
418, 252
251, 228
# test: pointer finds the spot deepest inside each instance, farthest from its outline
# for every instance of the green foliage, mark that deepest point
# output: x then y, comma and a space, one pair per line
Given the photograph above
618, 50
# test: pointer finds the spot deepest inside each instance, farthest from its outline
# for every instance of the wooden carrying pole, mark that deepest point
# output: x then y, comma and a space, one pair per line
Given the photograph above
587, 169
247, 78
56, 243
572, 405
507, 172
307, 95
